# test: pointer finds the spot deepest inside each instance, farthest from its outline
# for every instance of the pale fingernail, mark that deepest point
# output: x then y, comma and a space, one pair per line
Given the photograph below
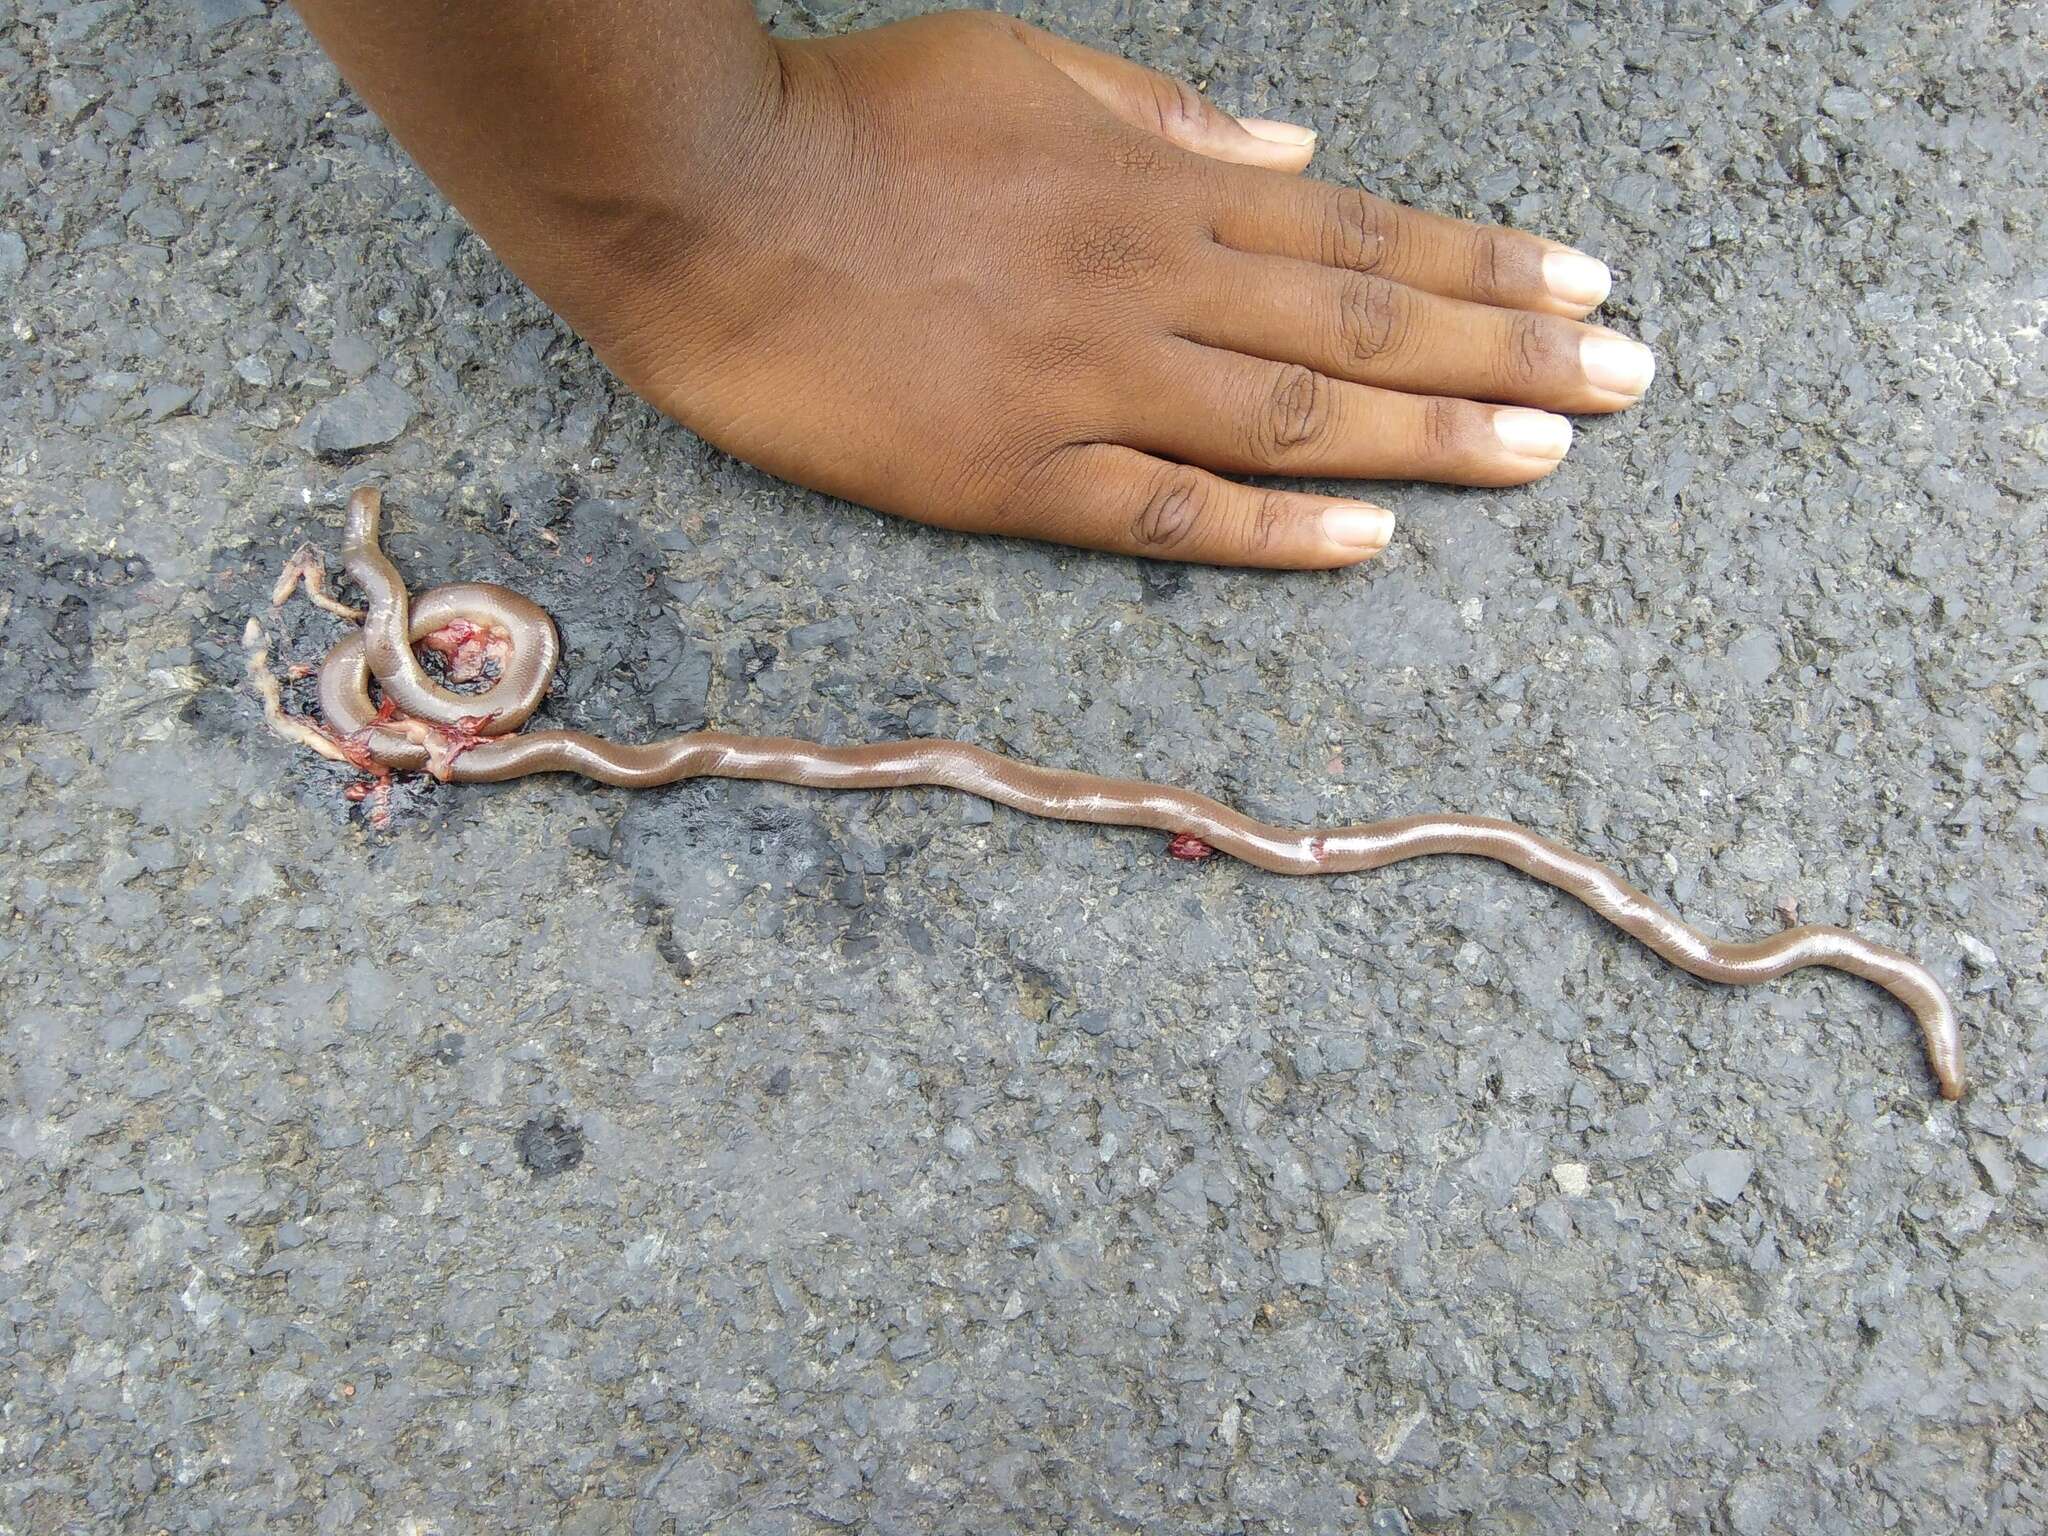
1533, 434
1277, 133
1616, 363
1576, 277
1357, 526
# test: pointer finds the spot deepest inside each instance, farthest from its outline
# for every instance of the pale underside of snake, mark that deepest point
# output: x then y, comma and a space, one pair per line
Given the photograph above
475, 738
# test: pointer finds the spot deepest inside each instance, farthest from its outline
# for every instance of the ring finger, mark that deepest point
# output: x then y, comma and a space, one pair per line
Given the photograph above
1246, 415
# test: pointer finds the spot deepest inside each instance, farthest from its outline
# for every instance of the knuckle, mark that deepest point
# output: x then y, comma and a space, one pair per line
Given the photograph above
1294, 414
1264, 519
1488, 281
1056, 355
1174, 507
1177, 107
984, 492
1113, 252
1010, 489
1447, 429
1531, 352
1366, 319
1359, 232
1139, 154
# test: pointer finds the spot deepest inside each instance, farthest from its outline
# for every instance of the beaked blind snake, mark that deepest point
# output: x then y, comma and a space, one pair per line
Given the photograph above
475, 738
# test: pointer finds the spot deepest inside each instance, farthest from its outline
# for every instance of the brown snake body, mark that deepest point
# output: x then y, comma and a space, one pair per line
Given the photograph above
469, 738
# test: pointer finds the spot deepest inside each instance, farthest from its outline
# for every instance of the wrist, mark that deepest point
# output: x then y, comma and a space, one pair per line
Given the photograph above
610, 231
642, 163
572, 138
666, 269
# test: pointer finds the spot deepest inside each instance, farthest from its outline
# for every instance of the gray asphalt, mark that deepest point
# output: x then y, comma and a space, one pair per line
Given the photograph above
738, 1159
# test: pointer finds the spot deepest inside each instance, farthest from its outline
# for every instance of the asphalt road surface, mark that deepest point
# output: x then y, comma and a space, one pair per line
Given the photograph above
741, 1159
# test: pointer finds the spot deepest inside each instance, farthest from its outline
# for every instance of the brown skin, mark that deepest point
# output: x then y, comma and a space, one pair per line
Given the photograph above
961, 270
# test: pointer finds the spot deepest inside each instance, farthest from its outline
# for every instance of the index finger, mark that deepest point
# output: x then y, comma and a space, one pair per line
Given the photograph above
1351, 229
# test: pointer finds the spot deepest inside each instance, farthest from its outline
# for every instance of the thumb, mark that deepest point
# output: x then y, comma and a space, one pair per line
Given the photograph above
1173, 109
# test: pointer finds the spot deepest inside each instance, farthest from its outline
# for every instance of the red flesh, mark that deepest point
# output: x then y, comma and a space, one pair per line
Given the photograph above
467, 648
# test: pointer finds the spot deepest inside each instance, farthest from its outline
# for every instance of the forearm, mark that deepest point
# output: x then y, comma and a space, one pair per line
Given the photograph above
546, 124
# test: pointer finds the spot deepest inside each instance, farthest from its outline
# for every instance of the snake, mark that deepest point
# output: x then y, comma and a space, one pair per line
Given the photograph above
476, 737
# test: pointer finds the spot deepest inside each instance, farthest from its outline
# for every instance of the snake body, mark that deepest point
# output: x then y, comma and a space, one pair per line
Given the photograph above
488, 746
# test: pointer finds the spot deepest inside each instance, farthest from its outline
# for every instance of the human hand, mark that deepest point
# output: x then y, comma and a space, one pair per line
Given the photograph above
958, 269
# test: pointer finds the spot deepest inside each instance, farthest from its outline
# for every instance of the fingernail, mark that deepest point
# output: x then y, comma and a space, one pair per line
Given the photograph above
1533, 434
1616, 363
1277, 133
1576, 277
1357, 526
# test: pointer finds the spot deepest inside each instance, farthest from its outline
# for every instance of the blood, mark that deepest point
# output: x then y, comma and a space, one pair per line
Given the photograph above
467, 731
374, 787
377, 792
1188, 847
467, 649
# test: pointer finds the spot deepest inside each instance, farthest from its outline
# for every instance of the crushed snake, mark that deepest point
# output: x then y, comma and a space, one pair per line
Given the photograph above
476, 738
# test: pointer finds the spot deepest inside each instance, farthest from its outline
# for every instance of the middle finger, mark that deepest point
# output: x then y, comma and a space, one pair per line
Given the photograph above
1371, 330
